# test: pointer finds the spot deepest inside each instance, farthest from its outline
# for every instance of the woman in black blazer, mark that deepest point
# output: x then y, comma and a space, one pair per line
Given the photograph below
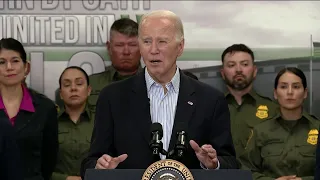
32, 115
9, 154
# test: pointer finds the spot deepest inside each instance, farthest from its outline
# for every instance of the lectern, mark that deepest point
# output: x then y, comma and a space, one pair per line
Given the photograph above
136, 174
167, 169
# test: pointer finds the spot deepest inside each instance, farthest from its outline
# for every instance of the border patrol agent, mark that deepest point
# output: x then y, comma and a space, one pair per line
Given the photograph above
253, 110
124, 53
75, 123
99, 81
280, 147
285, 146
247, 107
74, 143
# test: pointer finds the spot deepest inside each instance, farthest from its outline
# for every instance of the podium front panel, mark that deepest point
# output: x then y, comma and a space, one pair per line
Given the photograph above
198, 174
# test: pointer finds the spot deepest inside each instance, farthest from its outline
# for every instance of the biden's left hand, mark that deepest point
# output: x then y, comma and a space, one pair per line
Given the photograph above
205, 154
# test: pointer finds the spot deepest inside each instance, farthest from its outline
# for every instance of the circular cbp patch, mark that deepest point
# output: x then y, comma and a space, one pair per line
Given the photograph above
167, 169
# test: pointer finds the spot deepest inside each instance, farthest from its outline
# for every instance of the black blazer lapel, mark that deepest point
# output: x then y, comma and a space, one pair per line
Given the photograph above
140, 105
185, 107
22, 120
4, 116
23, 117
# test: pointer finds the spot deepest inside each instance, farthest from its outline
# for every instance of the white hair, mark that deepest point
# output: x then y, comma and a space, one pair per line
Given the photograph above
169, 15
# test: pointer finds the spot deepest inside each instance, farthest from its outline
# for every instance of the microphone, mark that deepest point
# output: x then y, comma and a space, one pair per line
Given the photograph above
156, 144
180, 147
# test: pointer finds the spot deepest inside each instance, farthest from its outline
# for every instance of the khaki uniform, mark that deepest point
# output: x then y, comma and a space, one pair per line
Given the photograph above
281, 148
74, 144
253, 110
99, 81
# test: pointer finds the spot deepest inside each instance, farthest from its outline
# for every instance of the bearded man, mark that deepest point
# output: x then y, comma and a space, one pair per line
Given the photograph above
247, 108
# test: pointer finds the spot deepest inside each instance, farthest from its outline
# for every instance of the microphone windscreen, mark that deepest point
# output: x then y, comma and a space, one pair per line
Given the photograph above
157, 127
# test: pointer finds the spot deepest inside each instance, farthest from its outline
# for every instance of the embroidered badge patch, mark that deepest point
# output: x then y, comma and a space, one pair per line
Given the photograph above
313, 136
262, 112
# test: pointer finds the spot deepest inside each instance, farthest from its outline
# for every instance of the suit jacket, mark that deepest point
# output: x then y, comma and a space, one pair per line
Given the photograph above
123, 122
317, 170
10, 168
37, 137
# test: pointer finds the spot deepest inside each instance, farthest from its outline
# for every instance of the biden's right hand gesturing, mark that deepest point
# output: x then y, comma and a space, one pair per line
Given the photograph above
108, 162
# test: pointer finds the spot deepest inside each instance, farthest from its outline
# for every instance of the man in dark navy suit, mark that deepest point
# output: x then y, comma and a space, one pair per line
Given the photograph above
9, 153
162, 93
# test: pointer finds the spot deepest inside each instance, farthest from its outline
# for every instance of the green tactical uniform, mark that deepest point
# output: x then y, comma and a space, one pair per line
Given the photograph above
99, 81
281, 148
74, 144
253, 110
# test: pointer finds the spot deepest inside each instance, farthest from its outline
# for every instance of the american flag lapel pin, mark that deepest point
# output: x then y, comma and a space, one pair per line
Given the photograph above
190, 103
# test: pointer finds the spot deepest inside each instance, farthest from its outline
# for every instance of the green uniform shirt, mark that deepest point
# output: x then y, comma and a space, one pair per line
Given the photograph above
253, 110
282, 148
74, 144
99, 81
